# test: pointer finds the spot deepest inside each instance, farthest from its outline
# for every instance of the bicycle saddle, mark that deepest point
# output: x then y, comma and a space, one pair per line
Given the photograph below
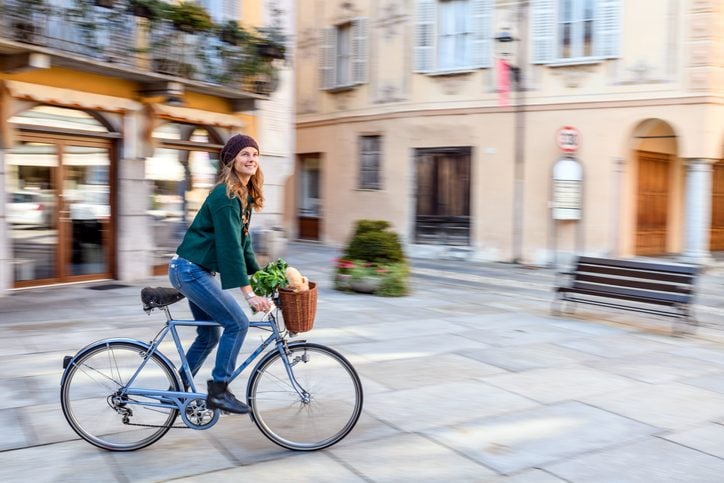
154, 297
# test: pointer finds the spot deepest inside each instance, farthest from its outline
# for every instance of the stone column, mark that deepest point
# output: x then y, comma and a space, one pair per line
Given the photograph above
134, 232
698, 211
7, 272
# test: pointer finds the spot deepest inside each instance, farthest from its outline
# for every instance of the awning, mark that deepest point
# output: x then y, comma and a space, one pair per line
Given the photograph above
69, 97
196, 116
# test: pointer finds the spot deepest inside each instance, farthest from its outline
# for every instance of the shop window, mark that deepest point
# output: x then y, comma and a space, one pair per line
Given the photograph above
182, 172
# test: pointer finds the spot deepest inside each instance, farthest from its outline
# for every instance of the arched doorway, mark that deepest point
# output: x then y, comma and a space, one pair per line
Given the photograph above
182, 171
716, 243
657, 188
59, 179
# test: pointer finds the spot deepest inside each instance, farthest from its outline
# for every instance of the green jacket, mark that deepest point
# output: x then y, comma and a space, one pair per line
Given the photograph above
218, 242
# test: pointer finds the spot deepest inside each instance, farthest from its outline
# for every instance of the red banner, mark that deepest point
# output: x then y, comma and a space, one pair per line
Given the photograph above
503, 82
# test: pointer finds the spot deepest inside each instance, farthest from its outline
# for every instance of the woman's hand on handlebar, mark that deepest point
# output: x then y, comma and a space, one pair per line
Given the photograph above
260, 304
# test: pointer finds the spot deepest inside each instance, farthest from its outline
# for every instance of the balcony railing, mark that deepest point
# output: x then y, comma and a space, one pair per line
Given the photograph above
113, 35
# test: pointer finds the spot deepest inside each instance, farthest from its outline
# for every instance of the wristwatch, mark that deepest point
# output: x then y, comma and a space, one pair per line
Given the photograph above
250, 295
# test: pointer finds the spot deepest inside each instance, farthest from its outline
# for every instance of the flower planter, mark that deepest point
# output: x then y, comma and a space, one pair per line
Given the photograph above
343, 281
366, 284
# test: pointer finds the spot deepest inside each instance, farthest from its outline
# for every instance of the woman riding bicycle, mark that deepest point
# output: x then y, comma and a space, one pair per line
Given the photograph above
218, 241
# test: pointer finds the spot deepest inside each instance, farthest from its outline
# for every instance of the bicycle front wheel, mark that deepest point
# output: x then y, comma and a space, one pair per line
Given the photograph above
96, 408
327, 408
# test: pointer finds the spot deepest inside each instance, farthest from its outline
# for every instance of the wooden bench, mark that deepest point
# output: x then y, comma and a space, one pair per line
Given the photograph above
652, 287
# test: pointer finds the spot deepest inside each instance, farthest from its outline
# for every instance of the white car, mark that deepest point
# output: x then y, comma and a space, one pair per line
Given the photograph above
30, 208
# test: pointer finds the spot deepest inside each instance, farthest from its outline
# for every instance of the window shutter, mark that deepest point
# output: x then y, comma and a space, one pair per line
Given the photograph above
425, 35
607, 25
231, 10
329, 54
359, 51
543, 31
481, 32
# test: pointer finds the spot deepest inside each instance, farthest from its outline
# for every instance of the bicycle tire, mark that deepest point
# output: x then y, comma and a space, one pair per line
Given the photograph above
95, 375
330, 413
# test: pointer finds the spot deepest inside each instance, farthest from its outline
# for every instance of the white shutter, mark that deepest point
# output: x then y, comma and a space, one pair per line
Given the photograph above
425, 35
543, 31
481, 10
359, 51
231, 10
607, 28
329, 58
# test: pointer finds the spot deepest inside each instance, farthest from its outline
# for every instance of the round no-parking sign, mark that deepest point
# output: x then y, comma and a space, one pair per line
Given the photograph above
568, 139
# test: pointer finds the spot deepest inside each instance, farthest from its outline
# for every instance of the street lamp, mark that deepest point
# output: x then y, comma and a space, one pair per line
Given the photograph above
512, 51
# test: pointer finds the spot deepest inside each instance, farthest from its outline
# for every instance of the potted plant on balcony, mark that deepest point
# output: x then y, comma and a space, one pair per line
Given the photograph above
23, 22
232, 34
270, 45
189, 17
150, 9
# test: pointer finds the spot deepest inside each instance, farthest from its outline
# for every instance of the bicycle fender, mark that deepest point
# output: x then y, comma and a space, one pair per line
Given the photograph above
68, 360
268, 356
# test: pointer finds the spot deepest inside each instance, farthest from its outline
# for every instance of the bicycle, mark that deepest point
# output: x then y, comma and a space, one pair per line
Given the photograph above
124, 394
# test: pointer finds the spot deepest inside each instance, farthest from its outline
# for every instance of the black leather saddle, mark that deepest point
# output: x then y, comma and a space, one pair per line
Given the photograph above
156, 297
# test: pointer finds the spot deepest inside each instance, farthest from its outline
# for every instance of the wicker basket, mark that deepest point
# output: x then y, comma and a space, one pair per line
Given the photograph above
299, 308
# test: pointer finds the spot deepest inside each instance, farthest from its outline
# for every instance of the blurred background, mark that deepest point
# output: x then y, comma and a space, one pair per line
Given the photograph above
482, 130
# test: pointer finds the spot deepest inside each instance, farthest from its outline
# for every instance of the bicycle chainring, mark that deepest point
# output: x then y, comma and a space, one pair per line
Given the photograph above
196, 415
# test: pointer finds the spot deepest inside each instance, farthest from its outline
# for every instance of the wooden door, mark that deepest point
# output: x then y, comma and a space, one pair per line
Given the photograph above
717, 208
309, 203
652, 203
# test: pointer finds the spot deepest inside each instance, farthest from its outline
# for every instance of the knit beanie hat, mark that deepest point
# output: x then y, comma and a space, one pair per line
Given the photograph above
235, 144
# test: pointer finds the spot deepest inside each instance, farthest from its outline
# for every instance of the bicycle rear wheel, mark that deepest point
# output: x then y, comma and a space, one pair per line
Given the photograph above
323, 415
96, 410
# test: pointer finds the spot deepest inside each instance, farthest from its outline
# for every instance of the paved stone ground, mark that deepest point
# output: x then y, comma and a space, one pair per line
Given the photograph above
467, 379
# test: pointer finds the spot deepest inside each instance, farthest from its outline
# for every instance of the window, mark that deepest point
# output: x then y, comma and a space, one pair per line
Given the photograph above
369, 165
575, 30
344, 55
569, 30
452, 35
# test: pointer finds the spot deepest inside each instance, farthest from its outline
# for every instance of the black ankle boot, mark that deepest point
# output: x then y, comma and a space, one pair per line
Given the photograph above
219, 397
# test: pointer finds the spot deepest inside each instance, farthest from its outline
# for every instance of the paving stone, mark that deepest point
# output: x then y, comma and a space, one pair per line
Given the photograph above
648, 461
410, 458
75, 461
667, 406
443, 404
303, 468
551, 385
711, 382
617, 345
534, 356
534, 437
655, 367
523, 334
15, 431
530, 476
179, 453
424, 346
708, 439
423, 371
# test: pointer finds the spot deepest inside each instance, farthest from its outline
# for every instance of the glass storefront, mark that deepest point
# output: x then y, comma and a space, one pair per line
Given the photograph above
182, 171
59, 197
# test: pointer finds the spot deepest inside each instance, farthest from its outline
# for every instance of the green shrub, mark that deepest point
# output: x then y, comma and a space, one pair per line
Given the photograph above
372, 242
373, 251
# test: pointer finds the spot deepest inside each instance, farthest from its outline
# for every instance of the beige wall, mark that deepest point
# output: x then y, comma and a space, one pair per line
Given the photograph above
655, 77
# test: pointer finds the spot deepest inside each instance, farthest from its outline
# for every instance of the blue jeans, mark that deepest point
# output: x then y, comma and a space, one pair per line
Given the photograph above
209, 302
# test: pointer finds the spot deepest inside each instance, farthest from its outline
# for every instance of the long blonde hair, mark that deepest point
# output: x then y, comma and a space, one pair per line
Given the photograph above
228, 176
